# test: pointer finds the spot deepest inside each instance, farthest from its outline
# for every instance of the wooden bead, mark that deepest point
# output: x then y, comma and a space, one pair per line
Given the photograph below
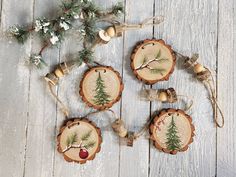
104, 36
130, 139
59, 73
119, 30
171, 95
163, 96
198, 68
119, 128
51, 78
111, 31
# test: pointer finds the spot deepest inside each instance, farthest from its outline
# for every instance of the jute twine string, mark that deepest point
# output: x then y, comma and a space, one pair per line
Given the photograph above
118, 125
210, 86
156, 20
209, 83
64, 109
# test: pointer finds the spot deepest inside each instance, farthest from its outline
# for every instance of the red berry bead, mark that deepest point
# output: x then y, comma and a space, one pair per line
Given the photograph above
83, 153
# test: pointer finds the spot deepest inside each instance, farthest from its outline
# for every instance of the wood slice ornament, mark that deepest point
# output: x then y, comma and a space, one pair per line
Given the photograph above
153, 61
79, 140
101, 87
172, 131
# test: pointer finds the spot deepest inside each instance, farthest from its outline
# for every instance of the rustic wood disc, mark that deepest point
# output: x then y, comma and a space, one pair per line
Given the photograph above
172, 131
152, 61
101, 87
79, 140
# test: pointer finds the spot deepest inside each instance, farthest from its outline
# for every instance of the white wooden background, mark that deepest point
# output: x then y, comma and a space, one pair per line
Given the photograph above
30, 119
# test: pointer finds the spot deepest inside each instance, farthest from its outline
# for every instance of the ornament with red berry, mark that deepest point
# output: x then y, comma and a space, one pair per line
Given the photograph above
79, 140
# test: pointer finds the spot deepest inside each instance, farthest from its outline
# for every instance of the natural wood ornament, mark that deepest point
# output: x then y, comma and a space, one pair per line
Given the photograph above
172, 131
101, 87
152, 61
79, 140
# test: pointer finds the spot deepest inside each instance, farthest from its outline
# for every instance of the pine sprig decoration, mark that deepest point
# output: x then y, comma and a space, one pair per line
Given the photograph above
86, 136
85, 55
157, 70
90, 30
173, 140
37, 61
71, 139
20, 33
53, 31
101, 97
118, 9
90, 144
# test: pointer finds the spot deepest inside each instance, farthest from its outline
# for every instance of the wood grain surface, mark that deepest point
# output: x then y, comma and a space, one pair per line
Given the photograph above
30, 118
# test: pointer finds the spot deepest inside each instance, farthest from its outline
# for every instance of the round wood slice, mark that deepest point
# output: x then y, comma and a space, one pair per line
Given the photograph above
172, 131
101, 87
152, 61
79, 140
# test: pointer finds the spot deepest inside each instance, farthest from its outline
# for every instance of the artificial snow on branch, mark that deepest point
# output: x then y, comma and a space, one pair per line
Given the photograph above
52, 31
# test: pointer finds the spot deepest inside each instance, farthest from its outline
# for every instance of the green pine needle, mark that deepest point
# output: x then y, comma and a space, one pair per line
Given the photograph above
86, 136
20, 33
118, 9
90, 144
85, 55
71, 139
158, 54
157, 71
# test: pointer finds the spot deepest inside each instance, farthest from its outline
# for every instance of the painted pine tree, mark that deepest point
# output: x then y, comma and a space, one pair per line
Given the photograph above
101, 97
173, 141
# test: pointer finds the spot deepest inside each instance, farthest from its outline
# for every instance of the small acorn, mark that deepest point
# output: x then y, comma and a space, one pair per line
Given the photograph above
111, 31
198, 68
162, 96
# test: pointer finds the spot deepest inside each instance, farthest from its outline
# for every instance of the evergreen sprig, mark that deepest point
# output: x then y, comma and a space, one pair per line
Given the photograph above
118, 9
157, 70
20, 33
52, 31
86, 136
85, 55
37, 61
71, 139
90, 144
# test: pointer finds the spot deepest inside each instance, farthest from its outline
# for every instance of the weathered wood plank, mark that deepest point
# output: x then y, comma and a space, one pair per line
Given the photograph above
14, 85
134, 160
226, 139
42, 109
106, 162
190, 26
